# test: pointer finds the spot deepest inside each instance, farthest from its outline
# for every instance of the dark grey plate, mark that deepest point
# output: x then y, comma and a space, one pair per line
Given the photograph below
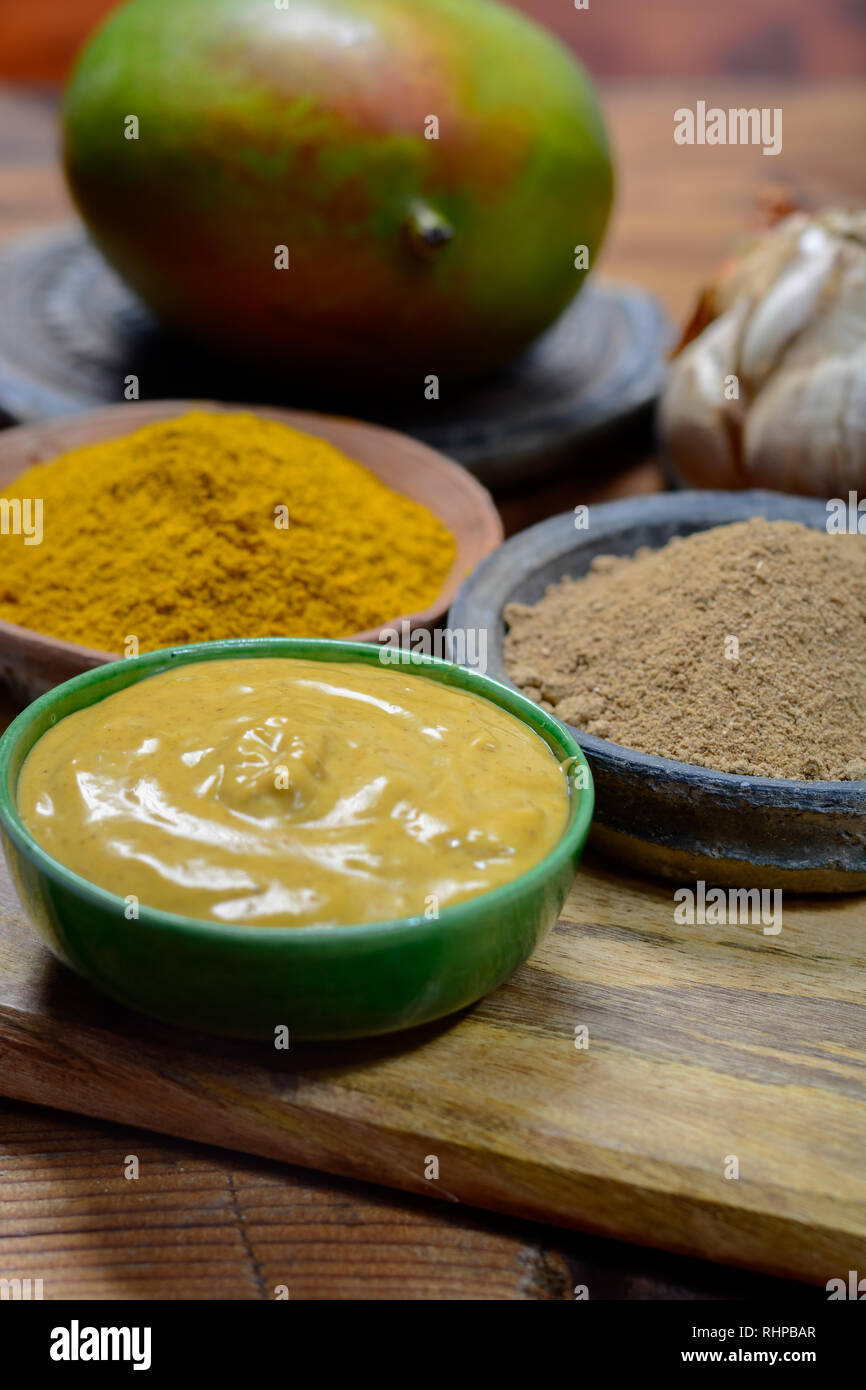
659, 816
71, 332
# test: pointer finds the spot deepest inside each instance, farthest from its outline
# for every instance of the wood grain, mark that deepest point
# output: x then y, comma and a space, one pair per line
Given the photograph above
202, 1224
196, 1224
704, 1043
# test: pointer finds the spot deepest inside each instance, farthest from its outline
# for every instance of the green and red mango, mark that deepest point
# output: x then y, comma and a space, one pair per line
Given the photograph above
307, 127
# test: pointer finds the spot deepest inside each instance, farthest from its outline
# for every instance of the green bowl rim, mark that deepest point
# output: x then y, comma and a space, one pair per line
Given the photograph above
512, 701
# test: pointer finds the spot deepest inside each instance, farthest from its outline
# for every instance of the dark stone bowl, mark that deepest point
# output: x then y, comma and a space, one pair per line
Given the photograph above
661, 817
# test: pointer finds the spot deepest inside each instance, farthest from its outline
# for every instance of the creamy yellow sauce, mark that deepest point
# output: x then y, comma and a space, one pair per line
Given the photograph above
277, 792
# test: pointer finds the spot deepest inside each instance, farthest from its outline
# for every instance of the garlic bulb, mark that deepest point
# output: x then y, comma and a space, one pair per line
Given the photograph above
772, 392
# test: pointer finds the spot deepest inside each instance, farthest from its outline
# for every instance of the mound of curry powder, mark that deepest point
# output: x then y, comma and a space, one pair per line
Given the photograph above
217, 526
741, 648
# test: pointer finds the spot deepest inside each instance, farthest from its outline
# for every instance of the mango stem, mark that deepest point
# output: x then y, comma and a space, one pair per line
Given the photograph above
426, 230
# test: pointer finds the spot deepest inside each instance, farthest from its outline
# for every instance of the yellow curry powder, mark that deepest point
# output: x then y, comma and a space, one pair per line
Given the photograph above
217, 525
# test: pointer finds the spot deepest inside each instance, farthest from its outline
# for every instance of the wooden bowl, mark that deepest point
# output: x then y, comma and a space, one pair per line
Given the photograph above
33, 662
670, 819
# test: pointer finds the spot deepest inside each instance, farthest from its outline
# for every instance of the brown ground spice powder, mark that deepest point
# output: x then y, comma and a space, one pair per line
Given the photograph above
636, 651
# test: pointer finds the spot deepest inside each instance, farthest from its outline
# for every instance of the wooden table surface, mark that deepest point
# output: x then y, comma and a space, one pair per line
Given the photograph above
212, 1225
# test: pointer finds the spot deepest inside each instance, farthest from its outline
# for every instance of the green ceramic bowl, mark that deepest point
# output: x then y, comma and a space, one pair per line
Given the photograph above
320, 982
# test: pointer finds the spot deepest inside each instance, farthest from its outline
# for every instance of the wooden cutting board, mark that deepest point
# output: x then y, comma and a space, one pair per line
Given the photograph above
705, 1045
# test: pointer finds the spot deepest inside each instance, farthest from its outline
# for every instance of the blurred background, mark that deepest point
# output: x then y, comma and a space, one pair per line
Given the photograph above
627, 38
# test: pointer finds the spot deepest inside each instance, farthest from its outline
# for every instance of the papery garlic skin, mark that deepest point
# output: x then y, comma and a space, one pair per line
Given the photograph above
790, 326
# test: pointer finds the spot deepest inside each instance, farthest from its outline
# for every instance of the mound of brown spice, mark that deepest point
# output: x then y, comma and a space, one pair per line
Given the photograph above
742, 648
